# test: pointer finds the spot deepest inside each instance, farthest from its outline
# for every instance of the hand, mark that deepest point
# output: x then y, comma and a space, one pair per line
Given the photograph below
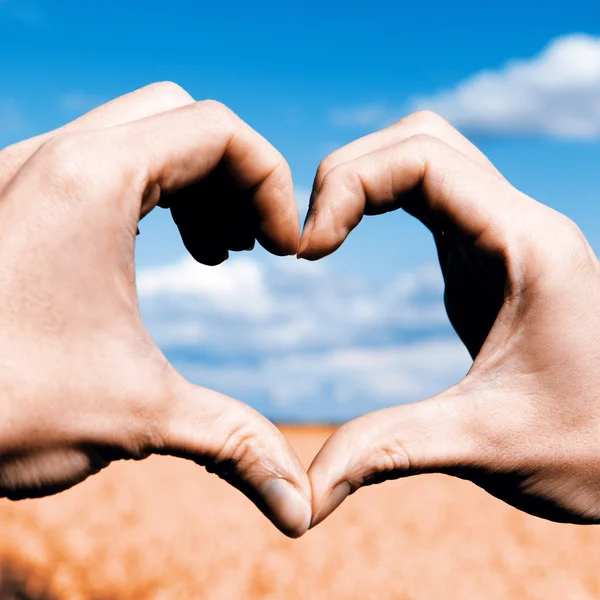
83, 383
522, 289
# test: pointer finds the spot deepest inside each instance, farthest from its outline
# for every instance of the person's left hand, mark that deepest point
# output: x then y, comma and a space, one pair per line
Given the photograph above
522, 289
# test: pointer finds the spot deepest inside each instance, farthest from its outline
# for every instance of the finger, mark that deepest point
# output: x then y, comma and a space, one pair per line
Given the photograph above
161, 155
169, 152
213, 219
150, 100
258, 171
243, 224
201, 224
419, 123
434, 435
46, 471
446, 185
243, 448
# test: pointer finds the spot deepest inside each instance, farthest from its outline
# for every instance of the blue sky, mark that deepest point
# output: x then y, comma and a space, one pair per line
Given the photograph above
312, 76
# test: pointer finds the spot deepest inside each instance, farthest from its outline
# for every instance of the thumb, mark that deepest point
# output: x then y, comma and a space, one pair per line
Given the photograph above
242, 447
434, 435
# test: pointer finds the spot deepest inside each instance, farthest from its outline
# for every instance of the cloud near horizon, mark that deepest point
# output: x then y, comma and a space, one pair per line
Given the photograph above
300, 342
555, 93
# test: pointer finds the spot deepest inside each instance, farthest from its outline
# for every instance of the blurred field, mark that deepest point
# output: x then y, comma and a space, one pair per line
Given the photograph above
164, 529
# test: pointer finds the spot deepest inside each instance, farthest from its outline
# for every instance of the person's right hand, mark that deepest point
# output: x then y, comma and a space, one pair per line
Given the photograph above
522, 291
82, 381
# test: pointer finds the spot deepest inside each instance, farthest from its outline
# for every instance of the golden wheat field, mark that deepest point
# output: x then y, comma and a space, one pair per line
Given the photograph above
164, 529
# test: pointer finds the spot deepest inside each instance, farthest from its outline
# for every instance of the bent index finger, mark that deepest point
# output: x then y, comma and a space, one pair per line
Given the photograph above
450, 187
418, 123
181, 147
149, 100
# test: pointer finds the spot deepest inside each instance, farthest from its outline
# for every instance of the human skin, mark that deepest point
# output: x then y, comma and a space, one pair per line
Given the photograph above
521, 289
83, 382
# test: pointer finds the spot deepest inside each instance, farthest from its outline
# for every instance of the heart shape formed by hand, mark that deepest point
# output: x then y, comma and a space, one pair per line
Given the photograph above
85, 384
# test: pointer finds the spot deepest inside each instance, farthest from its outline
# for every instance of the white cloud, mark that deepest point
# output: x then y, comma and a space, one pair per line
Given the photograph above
556, 93
219, 288
285, 304
339, 384
298, 340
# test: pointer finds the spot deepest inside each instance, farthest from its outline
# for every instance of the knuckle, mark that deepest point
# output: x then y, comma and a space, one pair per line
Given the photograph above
218, 114
561, 253
393, 458
61, 147
326, 165
572, 241
378, 455
423, 139
425, 146
571, 229
86, 160
215, 107
171, 92
346, 179
240, 451
577, 248
338, 172
65, 156
389, 461
426, 120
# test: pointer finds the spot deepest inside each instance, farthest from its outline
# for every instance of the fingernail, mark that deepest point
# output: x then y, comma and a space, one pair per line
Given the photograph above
305, 239
291, 512
335, 497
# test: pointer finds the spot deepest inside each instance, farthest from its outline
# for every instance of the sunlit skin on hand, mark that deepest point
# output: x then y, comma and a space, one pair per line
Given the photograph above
83, 382
522, 290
